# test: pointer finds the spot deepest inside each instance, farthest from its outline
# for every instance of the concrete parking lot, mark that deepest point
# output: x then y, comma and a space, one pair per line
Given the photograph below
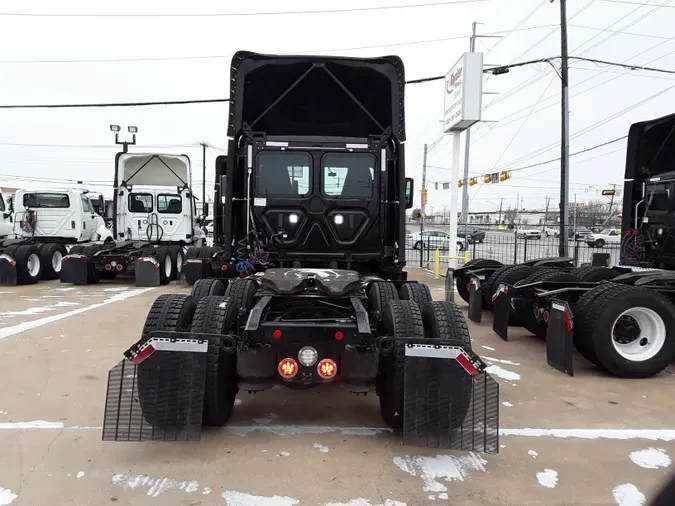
589, 440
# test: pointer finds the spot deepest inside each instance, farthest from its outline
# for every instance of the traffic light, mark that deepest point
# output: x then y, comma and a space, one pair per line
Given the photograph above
503, 176
608, 193
487, 178
425, 196
473, 181
460, 183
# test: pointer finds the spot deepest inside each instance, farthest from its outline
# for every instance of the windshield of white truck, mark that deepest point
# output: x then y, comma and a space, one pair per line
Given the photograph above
283, 174
348, 175
46, 200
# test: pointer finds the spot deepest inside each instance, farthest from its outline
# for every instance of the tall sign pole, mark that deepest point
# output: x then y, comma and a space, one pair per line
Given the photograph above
423, 207
467, 145
462, 108
564, 144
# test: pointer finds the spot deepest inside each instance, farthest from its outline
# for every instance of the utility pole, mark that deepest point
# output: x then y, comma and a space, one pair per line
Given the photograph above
564, 144
203, 174
500, 211
611, 203
548, 200
423, 207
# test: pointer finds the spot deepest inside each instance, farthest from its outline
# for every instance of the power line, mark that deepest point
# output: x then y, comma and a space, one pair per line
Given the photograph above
234, 14
636, 3
621, 32
116, 104
623, 65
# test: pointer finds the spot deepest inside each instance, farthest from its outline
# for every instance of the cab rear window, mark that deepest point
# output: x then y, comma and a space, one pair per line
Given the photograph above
46, 200
348, 175
140, 203
170, 204
283, 174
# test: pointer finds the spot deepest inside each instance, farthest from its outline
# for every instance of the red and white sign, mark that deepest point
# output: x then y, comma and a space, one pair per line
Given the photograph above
464, 93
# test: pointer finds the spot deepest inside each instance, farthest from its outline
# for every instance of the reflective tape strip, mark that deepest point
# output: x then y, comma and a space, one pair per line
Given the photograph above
193, 261
190, 345
559, 307
431, 351
150, 260
8, 258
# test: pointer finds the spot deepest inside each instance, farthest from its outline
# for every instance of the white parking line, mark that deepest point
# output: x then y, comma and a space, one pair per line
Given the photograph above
291, 430
22, 327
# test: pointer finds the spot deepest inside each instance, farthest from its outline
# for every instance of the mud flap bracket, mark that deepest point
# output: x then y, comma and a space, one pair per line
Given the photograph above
475, 300
76, 269
156, 393
147, 272
502, 308
560, 337
450, 402
8, 274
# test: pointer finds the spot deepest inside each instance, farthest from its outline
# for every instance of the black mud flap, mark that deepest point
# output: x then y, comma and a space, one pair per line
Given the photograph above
157, 392
450, 285
195, 269
475, 300
502, 308
450, 402
76, 269
560, 337
147, 272
8, 274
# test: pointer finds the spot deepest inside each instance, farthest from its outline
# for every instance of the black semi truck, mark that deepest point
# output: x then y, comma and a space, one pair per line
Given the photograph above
309, 257
619, 317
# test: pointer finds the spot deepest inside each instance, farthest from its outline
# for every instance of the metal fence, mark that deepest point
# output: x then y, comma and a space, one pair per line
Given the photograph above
508, 249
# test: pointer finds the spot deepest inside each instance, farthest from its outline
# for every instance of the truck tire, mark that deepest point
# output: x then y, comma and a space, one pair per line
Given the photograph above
510, 274
51, 258
379, 295
527, 316
208, 287
176, 253
629, 330
594, 274
93, 275
205, 252
192, 252
171, 312
402, 318
76, 250
167, 264
417, 292
216, 315
28, 265
462, 282
242, 292
445, 321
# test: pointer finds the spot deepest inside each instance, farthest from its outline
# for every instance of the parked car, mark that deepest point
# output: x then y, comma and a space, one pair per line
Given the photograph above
550, 231
581, 233
529, 233
607, 236
433, 240
475, 234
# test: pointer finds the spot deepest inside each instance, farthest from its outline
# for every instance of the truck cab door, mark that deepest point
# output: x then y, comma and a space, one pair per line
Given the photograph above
88, 219
5, 218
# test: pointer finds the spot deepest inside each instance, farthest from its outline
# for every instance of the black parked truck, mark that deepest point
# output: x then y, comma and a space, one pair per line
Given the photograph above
619, 317
306, 284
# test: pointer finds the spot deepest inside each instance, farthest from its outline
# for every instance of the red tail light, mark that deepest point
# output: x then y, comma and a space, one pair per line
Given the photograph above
288, 368
119, 267
327, 368
277, 334
108, 267
339, 335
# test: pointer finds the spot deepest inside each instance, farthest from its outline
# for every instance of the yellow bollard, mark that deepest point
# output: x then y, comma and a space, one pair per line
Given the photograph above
466, 256
437, 265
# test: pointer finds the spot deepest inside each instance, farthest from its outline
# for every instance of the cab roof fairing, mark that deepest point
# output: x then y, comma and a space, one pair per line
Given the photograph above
325, 96
153, 170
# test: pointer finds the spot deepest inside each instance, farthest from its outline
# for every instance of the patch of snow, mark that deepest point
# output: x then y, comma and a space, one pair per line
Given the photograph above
443, 496
548, 479
284, 454
628, 495
269, 418
80, 474
651, 434
446, 467
533, 454
32, 311
321, 448
495, 370
507, 404
240, 499
488, 347
364, 502
6, 497
237, 402
499, 361
207, 491
116, 289
651, 458
156, 486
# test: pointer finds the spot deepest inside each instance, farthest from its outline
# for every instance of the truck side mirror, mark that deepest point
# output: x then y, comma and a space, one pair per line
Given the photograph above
409, 189
205, 209
101, 204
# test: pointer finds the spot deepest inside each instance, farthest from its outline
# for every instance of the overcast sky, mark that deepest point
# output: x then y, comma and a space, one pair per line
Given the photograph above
523, 105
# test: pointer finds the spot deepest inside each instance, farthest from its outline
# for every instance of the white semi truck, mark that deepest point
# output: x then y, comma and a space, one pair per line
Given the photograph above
38, 226
154, 220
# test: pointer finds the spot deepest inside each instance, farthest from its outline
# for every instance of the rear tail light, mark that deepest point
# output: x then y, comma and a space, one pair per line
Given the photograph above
288, 368
546, 316
327, 368
119, 267
339, 335
108, 267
